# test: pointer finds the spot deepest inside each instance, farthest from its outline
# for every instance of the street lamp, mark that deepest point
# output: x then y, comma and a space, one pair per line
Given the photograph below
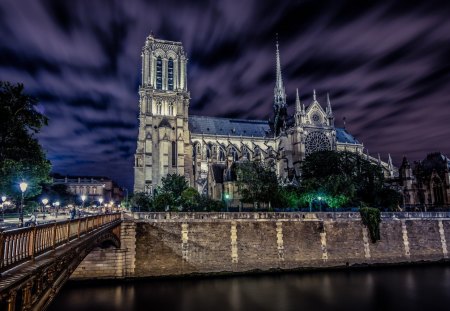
44, 203
3, 207
23, 187
227, 196
320, 203
83, 198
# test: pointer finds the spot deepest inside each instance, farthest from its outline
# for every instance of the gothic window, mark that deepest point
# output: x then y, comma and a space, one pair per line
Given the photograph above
159, 108
170, 74
234, 154
159, 73
246, 154
221, 155
208, 151
171, 109
316, 141
174, 154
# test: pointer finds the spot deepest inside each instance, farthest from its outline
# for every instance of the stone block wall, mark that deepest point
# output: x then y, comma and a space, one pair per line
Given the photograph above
111, 262
177, 244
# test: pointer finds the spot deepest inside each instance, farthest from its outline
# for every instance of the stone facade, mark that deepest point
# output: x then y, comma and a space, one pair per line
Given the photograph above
165, 244
426, 183
203, 148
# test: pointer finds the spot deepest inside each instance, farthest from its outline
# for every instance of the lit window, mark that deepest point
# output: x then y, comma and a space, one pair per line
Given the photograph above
170, 75
159, 73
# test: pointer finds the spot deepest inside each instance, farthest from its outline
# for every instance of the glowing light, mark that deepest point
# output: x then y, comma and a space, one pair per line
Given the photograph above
44, 201
23, 186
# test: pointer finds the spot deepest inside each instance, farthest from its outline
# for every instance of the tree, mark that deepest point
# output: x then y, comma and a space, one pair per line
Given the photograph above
21, 156
164, 201
256, 182
174, 184
341, 178
190, 198
141, 201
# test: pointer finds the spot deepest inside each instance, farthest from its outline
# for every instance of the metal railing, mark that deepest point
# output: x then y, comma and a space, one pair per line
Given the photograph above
24, 244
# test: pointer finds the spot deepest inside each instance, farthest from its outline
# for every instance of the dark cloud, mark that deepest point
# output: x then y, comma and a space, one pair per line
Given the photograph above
384, 63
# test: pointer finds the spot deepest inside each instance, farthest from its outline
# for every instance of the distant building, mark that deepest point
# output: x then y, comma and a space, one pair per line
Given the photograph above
94, 187
427, 182
203, 148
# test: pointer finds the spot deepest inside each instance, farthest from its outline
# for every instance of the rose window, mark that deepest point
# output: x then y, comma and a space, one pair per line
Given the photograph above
316, 141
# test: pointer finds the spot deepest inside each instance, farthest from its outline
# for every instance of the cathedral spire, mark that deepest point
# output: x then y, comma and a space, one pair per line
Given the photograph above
279, 91
329, 111
379, 160
298, 106
314, 95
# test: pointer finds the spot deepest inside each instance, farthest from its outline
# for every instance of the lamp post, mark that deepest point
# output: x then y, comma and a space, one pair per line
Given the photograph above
23, 187
227, 196
3, 207
44, 203
320, 203
83, 198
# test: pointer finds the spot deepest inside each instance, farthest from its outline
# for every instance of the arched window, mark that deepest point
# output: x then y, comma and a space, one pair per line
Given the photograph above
159, 108
171, 109
221, 154
234, 154
174, 154
170, 74
148, 102
159, 73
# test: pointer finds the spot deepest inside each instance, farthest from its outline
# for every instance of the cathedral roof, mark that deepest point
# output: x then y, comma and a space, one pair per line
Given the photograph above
238, 127
343, 136
225, 126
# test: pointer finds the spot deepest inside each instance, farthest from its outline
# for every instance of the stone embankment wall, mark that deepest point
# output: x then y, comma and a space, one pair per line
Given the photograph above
187, 243
107, 261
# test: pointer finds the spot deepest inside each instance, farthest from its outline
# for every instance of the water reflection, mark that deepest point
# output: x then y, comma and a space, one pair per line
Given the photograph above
412, 288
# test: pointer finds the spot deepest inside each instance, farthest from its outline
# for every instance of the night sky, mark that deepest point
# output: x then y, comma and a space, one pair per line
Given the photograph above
385, 65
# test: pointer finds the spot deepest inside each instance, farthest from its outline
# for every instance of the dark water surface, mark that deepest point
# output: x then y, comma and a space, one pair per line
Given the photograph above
404, 288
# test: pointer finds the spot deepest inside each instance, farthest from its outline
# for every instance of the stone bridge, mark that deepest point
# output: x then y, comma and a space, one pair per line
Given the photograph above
35, 262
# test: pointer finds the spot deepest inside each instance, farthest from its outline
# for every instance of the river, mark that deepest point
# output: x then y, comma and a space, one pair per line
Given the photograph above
393, 288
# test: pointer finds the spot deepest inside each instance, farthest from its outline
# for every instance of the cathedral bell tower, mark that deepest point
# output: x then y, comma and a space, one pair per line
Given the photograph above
163, 139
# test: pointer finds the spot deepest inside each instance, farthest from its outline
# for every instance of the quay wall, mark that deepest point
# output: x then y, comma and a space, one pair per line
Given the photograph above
170, 244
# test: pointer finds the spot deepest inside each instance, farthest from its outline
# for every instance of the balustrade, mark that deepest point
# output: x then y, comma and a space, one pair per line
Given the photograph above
24, 244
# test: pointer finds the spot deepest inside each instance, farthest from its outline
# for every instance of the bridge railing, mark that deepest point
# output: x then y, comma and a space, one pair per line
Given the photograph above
23, 244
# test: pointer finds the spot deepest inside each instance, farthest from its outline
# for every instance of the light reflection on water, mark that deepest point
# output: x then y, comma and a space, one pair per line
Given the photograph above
405, 288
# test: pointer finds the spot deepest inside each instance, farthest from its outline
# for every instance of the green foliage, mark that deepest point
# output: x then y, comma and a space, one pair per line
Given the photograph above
164, 202
190, 198
141, 201
12, 173
256, 182
371, 218
206, 204
21, 156
341, 178
174, 184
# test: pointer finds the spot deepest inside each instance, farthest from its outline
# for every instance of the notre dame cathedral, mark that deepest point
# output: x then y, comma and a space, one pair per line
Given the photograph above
203, 148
